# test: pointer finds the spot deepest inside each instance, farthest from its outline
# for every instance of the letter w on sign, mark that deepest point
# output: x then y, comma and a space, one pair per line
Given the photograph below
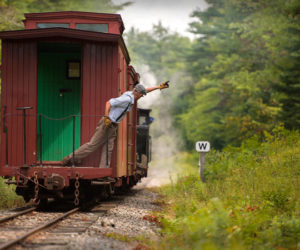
202, 146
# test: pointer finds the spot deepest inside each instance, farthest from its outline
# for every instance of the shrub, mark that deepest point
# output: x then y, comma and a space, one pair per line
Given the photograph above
8, 197
251, 198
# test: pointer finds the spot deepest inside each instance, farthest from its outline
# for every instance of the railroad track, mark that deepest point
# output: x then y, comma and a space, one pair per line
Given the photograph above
16, 214
32, 229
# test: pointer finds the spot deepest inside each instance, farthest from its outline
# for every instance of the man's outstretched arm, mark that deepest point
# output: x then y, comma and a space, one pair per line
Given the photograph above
151, 89
161, 86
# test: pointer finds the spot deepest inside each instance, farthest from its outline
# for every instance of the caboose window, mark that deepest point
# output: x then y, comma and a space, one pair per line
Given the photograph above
103, 27
52, 25
73, 70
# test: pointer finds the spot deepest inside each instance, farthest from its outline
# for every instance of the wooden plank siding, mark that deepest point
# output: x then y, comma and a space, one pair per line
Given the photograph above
122, 166
19, 60
99, 84
131, 127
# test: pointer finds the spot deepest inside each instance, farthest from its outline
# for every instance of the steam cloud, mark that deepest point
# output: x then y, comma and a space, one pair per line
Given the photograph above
164, 139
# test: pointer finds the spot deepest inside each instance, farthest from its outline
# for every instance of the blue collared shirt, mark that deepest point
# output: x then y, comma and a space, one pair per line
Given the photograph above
119, 105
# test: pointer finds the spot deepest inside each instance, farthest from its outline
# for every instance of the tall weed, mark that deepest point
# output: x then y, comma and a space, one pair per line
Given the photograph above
8, 197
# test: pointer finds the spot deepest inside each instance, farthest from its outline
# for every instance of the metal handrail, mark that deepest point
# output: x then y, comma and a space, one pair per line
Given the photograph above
40, 116
48, 117
24, 126
5, 131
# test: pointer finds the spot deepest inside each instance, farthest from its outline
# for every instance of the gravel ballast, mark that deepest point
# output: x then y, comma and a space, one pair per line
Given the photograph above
126, 219
121, 222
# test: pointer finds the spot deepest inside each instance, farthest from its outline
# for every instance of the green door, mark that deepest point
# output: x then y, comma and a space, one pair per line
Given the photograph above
59, 100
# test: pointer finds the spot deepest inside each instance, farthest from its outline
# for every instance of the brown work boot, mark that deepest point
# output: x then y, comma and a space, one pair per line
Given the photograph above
66, 161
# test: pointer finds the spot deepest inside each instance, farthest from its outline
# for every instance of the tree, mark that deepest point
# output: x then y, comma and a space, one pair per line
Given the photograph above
234, 62
290, 65
162, 50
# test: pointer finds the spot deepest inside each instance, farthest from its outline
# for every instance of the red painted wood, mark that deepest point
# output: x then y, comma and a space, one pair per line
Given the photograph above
3, 102
114, 21
66, 172
98, 86
131, 75
114, 78
19, 90
60, 32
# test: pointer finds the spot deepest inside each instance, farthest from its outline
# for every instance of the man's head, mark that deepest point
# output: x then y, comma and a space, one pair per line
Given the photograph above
139, 91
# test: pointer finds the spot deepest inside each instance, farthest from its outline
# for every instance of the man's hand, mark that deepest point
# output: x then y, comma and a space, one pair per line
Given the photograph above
164, 85
107, 122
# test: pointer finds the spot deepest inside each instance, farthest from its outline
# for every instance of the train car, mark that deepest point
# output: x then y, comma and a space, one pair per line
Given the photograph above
57, 75
143, 141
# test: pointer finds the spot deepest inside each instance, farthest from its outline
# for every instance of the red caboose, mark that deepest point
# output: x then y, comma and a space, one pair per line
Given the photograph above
57, 75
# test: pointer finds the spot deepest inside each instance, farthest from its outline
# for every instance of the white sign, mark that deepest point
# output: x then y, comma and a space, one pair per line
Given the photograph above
202, 146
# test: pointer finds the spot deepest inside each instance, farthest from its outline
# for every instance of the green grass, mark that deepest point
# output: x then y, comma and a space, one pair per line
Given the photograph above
251, 198
126, 238
8, 197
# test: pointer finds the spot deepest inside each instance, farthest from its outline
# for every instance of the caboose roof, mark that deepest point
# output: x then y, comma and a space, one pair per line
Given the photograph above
66, 33
72, 16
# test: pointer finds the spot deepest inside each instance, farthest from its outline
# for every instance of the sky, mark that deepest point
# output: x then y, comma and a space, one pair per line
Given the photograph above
174, 14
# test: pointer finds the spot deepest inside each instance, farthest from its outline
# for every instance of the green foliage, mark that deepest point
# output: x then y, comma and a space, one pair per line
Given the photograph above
250, 200
244, 68
290, 86
129, 239
234, 63
162, 50
278, 199
8, 197
88, 5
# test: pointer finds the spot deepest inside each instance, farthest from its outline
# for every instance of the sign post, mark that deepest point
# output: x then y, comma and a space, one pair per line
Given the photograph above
202, 147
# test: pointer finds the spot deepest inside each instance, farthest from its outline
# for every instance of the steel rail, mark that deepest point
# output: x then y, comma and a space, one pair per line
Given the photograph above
24, 236
17, 214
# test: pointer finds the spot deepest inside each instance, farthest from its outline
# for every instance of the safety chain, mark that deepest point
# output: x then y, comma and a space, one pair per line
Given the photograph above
36, 199
76, 192
27, 178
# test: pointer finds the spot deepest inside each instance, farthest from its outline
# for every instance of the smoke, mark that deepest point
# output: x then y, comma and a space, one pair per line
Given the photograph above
165, 141
148, 80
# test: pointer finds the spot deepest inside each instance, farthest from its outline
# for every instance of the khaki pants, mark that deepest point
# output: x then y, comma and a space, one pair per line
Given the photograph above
99, 138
